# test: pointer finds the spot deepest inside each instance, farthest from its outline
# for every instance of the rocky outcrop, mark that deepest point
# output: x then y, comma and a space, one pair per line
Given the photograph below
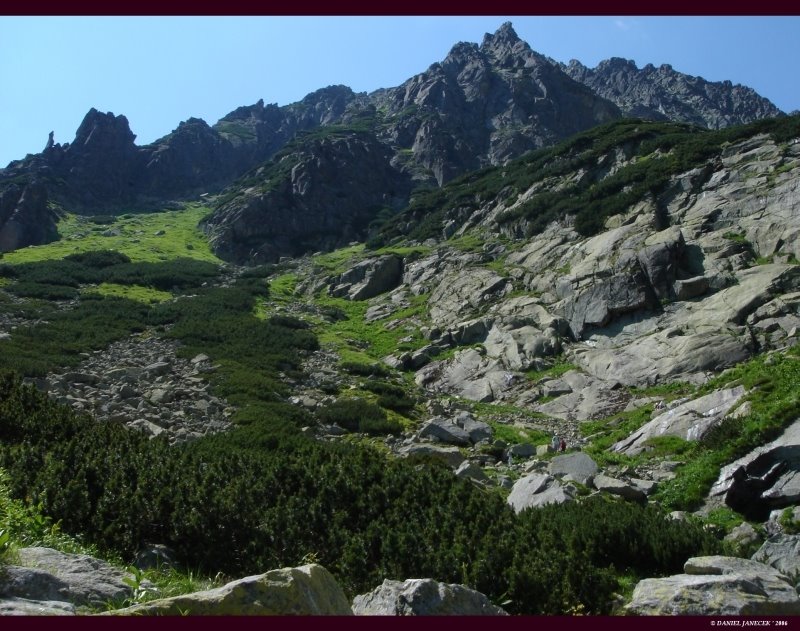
578, 466
782, 552
485, 104
665, 94
690, 420
765, 479
618, 487
369, 278
578, 397
308, 590
424, 597
539, 489
318, 196
45, 576
717, 586
25, 217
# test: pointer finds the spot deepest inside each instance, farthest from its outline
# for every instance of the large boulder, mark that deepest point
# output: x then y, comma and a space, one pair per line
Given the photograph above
606, 298
424, 597
518, 348
621, 488
445, 431
467, 374
578, 466
369, 278
538, 489
45, 574
690, 420
26, 607
306, 590
717, 586
477, 430
766, 478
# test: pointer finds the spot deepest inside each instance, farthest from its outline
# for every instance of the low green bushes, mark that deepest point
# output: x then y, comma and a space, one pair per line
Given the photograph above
358, 415
258, 498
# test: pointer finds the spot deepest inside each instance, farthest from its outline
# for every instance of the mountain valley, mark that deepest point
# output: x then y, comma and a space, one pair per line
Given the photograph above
516, 327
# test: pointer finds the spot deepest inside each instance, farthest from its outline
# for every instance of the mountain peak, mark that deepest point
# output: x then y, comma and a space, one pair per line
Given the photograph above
504, 39
504, 35
506, 48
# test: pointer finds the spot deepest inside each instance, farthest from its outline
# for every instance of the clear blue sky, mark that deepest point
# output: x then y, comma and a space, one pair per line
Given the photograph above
158, 71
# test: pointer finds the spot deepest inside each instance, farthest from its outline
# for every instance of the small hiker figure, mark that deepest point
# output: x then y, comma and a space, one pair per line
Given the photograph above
510, 459
563, 445
554, 443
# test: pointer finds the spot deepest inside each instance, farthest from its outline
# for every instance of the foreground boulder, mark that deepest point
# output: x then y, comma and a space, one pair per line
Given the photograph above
717, 586
307, 590
424, 597
25, 607
45, 574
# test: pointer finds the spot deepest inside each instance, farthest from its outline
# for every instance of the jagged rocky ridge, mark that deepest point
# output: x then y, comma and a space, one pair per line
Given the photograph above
665, 94
482, 105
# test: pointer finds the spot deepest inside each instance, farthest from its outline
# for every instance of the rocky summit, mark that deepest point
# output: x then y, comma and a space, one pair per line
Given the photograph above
500, 339
482, 105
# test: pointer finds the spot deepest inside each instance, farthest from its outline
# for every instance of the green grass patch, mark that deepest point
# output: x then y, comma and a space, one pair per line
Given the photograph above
339, 260
774, 385
137, 236
358, 340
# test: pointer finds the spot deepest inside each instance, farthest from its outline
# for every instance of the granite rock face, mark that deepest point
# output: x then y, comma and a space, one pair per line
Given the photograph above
424, 597
662, 93
309, 590
25, 217
717, 586
318, 197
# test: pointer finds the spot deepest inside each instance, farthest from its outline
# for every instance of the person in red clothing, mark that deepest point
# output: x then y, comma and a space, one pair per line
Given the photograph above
563, 446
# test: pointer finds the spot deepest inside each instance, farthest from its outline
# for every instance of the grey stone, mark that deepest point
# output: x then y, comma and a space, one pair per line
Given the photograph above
690, 421
471, 470
535, 490
618, 487
766, 478
306, 590
690, 287
28, 607
157, 369
717, 586
782, 552
522, 450
477, 430
86, 580
369, 278
445, 431
578, 465
424, 597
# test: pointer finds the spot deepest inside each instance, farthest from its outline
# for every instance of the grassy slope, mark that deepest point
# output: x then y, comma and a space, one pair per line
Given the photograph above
135, 235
